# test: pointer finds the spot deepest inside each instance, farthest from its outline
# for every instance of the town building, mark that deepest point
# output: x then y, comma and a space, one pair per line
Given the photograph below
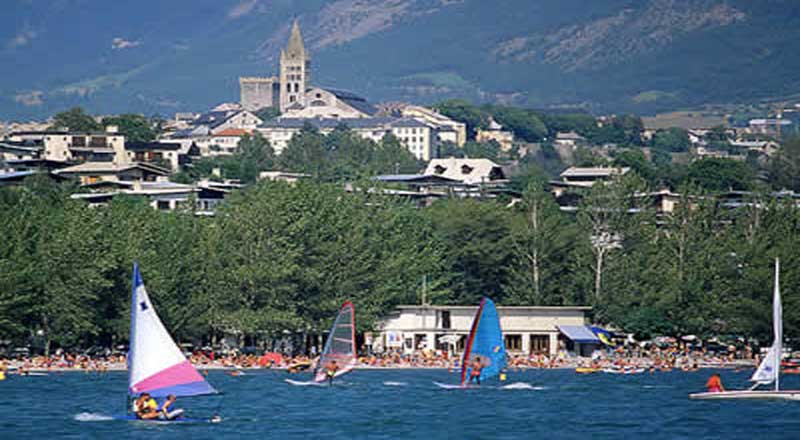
496, 133
223, 143
569, 139
286, 89
447, 130
467, 171
170, 155
575, 180
769, 126
526, 330
282, 176
64, 146
587, 176
93, 172
161, 195
330, 103
258, 92
292, 93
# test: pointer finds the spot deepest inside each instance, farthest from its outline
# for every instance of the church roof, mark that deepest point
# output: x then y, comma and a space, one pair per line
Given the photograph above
354, 123
354, 101
296, 46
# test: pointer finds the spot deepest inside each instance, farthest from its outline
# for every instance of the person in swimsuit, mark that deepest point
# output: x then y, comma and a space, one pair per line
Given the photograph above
166, 412
145, 407
475, 370
714, 384
330, 371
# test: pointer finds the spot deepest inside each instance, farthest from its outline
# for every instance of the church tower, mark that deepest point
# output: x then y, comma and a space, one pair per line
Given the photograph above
295, 70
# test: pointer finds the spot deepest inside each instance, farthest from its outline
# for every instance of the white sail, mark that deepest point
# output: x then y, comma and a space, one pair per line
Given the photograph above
769, 369
155, 363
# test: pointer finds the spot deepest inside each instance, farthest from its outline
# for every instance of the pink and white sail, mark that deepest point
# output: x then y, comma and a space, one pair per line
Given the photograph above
156, 364
340, 346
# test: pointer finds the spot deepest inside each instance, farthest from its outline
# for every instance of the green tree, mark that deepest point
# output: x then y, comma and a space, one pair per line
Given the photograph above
305, 153
465, 112
542, 239
638, 163
581, 123
673, 140
482, 150
525, 124
716, 174
475, 237
135, 128
392, 157
784, 167
254, 154
75, 120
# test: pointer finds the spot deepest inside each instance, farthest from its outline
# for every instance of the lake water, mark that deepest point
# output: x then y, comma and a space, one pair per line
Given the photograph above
392, 404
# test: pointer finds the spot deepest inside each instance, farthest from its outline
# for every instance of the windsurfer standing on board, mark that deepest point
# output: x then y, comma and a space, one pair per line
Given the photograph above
475, 370
330, 370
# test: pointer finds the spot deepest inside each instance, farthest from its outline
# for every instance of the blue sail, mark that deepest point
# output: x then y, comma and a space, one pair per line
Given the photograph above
485, 341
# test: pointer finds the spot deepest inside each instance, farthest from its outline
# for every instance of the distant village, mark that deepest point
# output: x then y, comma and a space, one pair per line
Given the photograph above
106, 164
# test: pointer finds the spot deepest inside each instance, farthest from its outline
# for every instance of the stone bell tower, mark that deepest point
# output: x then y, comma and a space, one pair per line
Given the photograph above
295, 70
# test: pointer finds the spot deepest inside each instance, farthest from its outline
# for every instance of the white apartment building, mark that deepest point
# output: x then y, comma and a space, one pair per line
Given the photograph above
526, 329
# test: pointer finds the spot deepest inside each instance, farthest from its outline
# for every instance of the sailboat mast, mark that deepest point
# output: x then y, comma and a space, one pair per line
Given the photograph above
777, 319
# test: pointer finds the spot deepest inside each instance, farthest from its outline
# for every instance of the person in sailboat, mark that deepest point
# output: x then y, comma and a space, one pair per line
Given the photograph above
475, 370
146, 407
330, 370
166, 412
714, 384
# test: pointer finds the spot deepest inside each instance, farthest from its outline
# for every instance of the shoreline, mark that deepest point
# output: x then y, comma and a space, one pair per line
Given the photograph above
117, 369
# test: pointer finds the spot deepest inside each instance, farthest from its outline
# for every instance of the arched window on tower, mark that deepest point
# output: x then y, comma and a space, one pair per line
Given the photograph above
288, 88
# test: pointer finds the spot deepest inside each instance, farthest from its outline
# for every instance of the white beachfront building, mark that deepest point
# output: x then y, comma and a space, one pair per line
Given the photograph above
526, 329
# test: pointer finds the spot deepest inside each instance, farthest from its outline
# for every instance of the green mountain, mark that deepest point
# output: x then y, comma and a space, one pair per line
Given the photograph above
152, 56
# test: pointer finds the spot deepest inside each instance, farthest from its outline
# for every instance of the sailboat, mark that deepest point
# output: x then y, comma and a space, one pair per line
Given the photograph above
340, 347
484, 343
156, 365
769, 371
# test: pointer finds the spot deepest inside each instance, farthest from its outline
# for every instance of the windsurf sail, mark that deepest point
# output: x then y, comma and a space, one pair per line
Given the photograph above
769, 369
155, 363
485, 341
340, 346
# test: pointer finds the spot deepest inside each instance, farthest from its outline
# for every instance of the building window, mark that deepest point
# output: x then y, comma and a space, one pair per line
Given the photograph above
162, 205
540, 344
513, 342
445, 319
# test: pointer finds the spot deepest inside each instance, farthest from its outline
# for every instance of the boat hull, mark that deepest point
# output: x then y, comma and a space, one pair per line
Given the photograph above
748, 395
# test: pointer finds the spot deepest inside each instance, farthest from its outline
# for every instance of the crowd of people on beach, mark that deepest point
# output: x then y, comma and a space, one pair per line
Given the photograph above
676, 357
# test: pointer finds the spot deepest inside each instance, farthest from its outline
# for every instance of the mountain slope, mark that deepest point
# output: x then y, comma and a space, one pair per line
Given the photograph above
609, 55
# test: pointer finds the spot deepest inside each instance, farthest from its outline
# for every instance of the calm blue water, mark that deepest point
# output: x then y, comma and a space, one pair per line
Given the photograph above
559, 404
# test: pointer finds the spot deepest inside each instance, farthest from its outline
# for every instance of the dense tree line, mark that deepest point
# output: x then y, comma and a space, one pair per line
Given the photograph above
278, 257
339, 156
135, 128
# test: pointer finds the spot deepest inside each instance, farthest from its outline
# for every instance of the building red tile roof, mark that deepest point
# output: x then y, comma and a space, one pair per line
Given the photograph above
233, 132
